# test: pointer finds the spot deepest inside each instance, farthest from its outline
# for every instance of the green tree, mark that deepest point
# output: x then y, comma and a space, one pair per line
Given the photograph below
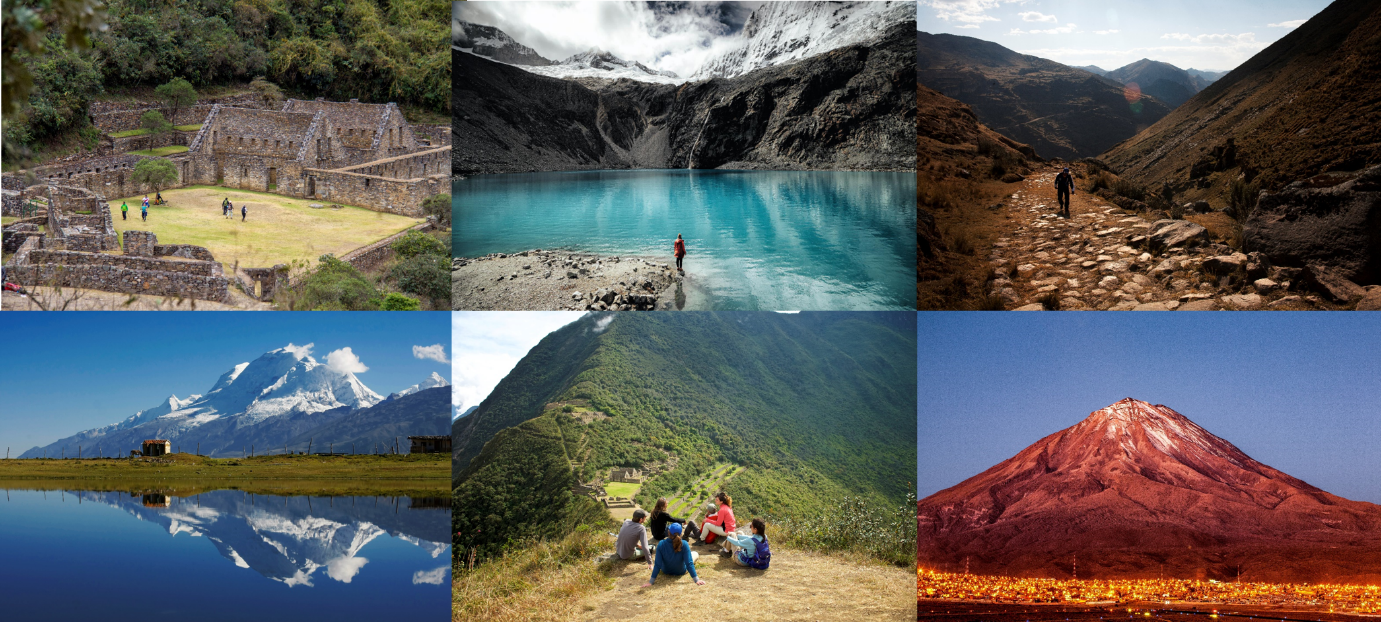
333, 286
438, 205
27, 24
155, 172
177, 94
154, 122
416, 243
268, 91
425, 275
398, 302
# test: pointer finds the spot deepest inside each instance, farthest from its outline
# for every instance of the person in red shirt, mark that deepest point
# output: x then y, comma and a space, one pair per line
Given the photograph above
679, 248
721, 523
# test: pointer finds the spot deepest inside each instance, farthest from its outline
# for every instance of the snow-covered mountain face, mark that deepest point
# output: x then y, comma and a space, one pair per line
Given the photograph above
286, 381
432, 381
289, 540
493, 43
599, 64
778, 33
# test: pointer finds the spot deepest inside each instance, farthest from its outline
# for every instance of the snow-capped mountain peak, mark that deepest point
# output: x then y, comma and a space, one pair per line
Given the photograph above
782, 32
432, 381
596, 63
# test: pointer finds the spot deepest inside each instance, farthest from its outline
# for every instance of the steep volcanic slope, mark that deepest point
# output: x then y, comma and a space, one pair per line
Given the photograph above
1137, 490
846, 109
1163, 81
1307, 104
1059, 110
815, 406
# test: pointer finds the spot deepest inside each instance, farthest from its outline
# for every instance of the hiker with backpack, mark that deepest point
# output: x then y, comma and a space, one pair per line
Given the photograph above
1064, 186
754, 551
720, 524
660, 518
674, 557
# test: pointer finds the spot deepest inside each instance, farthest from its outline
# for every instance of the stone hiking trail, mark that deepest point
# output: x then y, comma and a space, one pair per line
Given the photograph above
799, 585
1103, 257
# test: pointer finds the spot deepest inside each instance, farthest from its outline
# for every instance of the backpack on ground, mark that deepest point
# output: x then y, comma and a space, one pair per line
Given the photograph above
762, 556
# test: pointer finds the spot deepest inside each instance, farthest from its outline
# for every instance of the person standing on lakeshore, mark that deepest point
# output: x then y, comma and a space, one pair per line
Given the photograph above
679, 249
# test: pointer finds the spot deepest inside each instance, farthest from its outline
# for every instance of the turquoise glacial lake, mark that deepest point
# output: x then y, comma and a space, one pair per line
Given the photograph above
768, 240
222, 555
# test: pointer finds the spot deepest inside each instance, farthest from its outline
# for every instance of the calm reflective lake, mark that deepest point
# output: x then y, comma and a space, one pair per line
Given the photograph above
222, 555
777, 240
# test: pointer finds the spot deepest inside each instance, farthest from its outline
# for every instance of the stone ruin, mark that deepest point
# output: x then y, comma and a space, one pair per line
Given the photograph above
342, 152
79, 248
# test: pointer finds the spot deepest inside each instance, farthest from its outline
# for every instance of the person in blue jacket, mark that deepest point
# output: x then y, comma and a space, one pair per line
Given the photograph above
674, 557
753, 549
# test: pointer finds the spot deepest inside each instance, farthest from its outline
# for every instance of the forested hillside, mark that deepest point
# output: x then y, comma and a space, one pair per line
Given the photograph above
339, 49
814, 406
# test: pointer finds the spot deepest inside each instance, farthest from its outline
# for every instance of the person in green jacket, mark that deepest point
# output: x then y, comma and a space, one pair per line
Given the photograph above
124, 210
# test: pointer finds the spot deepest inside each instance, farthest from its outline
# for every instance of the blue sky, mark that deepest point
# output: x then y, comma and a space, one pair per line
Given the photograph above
66, 372
1213, 36
487, 344
1299, 391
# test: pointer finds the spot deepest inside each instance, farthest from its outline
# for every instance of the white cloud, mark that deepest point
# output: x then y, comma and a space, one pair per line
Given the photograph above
1243, 38
1062, 30
1294, 23
487, 344
679, 40
300, 352
433, 352
967, 26
603, 323
344, 569
1037, 16
430, 577
1105, 32
345, 361
965, 11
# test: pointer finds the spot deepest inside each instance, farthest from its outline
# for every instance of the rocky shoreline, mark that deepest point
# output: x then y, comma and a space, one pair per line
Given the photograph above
554, 280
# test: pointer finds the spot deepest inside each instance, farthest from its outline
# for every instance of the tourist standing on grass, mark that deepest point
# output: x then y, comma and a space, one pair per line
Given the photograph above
229, 209
144, 210
679, 248
754, 552
124, 210
721, 523
244, 211
632, 540
1064, 186
674, 557
659, 521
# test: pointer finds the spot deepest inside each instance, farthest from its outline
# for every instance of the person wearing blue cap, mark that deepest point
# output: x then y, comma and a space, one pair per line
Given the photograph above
674, 557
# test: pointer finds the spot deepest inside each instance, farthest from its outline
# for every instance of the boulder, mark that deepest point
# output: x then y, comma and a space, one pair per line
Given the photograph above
1035, 306
1207, 304
1371, 301
1243, 302
1225, 264
1338, 227
1331, 283
1264, 285
1165, 267
1168, 233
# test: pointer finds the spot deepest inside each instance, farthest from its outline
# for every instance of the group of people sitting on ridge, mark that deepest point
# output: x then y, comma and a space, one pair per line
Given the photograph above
228, 209
671, 536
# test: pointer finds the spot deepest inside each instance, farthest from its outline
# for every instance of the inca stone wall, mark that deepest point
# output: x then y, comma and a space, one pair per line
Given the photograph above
151, 141
130, 262
434, 135
126, 120
396, 196
186, 251
122, 280
369, 257
109, 176
421, 164
140, 243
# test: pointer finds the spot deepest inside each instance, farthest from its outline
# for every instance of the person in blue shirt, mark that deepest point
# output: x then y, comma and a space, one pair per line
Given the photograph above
748, 545
674, 557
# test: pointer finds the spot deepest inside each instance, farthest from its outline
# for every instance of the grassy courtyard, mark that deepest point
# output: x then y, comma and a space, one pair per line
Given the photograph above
621, 489
159, 152
279, 229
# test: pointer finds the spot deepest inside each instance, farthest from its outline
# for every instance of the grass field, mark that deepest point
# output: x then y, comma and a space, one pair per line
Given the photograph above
187, 128
160, 151
621, 489
409, 474
127, 133
279, 229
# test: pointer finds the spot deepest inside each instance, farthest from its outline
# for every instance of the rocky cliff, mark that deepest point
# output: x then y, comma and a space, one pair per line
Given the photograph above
846, 109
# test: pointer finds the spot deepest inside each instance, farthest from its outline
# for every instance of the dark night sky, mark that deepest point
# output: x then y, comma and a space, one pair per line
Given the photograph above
1299, 391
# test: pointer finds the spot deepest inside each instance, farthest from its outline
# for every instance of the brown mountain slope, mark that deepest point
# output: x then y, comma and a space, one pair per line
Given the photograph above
1060, 111
1307, 104
1136, 490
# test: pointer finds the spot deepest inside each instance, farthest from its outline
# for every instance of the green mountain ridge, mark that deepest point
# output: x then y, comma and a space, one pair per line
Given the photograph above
814, 406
